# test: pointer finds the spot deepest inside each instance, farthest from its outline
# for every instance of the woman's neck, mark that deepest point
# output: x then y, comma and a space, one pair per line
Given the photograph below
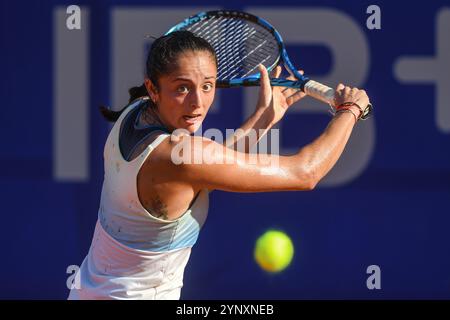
150, 116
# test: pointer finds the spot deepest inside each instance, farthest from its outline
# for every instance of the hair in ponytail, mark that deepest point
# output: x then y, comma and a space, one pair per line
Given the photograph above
161, 60
135, 93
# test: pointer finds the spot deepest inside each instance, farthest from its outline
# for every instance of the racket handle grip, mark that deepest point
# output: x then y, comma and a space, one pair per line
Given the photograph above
319, 91
326, 94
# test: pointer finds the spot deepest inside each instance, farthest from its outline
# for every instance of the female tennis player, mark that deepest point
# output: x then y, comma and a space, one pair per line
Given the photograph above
152, 207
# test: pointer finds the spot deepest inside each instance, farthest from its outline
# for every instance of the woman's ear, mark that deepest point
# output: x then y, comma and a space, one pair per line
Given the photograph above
151, 89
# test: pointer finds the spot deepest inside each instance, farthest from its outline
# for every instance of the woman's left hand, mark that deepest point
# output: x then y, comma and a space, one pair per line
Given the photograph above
276, 100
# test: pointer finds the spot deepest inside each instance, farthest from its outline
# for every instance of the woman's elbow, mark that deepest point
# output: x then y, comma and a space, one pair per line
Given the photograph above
312, 181
306, 180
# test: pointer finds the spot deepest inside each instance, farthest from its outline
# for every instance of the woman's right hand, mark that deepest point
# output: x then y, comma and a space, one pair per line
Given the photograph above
345, 94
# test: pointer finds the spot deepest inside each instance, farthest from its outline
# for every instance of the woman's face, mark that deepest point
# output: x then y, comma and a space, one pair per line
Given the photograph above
185, 96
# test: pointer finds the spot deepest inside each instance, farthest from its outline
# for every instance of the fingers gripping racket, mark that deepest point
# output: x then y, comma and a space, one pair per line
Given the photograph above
243, 41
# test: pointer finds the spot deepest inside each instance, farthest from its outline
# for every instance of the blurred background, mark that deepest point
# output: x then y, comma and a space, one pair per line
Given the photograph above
385, 204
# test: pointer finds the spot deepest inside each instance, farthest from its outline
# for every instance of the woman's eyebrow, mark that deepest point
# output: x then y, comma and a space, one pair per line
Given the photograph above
189, 80
181, 79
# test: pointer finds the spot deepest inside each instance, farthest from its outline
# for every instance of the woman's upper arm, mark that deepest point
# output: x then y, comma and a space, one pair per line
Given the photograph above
206, 164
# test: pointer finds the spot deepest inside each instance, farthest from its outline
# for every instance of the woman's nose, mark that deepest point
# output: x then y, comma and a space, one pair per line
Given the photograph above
196, 99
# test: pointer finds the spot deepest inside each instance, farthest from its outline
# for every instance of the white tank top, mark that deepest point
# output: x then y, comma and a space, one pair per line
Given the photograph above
133, 254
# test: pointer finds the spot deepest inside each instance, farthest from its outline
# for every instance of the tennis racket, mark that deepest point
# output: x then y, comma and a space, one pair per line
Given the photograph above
243, 41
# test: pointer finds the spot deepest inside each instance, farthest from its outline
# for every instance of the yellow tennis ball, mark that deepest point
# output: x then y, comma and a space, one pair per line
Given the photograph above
274, 251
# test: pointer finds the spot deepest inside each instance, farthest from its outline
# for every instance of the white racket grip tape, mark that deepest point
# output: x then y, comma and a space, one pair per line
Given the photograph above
319, 91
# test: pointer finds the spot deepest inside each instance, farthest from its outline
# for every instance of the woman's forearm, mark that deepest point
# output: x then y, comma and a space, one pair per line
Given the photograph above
251, 131
322, 154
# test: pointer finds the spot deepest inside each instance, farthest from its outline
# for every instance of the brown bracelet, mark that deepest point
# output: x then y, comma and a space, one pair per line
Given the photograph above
349, 104
342, 110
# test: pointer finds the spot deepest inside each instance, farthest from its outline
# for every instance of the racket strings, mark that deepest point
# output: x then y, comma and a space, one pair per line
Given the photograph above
265, 50
240, 45
230, 46
253, 51
246, 63
227, 42
213, 30
235, 59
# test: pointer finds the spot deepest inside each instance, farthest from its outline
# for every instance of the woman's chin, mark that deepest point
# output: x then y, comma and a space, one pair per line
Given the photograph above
192, 127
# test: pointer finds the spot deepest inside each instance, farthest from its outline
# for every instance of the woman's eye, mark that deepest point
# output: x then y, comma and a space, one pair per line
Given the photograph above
183, 89
207, 87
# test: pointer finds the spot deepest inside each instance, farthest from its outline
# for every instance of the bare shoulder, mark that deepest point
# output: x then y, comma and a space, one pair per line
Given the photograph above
180, 150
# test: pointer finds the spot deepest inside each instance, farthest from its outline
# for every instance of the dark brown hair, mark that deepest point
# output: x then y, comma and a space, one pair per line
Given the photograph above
160, 61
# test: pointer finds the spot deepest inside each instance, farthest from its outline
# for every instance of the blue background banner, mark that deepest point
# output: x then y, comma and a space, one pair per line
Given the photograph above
386, 203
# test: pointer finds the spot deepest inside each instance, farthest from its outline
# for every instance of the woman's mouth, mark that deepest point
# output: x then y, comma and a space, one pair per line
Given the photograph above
192, 119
